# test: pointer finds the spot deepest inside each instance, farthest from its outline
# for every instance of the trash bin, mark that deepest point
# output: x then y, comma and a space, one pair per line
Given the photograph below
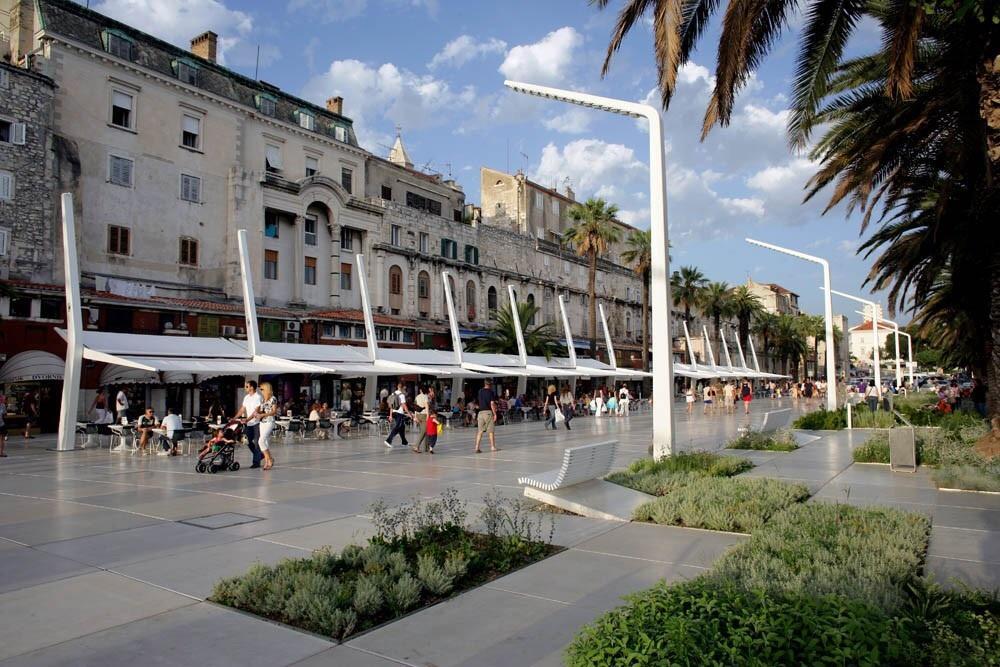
902, 449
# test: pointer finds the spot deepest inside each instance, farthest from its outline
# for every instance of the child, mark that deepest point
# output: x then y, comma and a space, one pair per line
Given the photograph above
215, 444
433, 428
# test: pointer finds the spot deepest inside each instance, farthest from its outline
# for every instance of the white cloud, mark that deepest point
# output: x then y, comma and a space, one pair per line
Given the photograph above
778, 179
574, 121
746, 205
177, 21
590, 164
329, 11
546, 61
465, 48
377, 98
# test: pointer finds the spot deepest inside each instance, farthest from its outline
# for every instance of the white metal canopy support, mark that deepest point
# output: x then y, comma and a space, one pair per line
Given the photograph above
249, 301
899, 361
687, 337
456, 337
831, 368
570, 347
708, 346
612, 359
743, 359
753, 352
909, 354
518, 332
663, 380
366, 308
725, 348
74, 331
875, 346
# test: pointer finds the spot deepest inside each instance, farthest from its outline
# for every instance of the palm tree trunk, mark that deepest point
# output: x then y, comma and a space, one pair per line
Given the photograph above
592, 291
645, 322
989, 108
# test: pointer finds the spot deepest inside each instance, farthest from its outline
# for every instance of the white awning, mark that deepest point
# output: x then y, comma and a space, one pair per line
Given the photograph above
114, 374
177, 377
495, 371
32, 365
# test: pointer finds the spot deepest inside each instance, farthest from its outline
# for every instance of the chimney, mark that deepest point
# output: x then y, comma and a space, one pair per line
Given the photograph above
568, 191
335, 105
205, 45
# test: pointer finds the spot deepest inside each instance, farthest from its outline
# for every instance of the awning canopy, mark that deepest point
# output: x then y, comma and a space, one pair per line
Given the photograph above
113, 374
32, 365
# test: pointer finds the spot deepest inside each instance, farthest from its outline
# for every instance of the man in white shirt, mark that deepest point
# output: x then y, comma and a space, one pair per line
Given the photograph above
420, 414
251, 402
121, 406
623, 399
400, 412
171, 424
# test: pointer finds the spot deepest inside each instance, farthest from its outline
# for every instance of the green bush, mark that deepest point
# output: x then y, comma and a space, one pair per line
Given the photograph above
868, 554
862, 417
670, 473
968, 478
738, 504
875, 450
780, 441
709, 622
957, 628
822, 420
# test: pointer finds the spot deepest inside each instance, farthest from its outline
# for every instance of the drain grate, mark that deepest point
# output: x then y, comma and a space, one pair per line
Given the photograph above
223, 520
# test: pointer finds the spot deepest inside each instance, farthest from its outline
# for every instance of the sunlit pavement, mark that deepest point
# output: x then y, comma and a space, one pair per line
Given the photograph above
107, 558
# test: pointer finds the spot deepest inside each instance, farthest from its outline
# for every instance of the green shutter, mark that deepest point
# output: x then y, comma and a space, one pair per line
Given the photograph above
208, 326
444, 247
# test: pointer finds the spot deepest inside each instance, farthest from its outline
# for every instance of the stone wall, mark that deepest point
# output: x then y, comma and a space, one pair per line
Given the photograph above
30, 217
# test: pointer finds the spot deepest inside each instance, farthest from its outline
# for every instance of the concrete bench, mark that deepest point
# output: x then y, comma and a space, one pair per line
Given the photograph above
578, 486
774, 420
579, 464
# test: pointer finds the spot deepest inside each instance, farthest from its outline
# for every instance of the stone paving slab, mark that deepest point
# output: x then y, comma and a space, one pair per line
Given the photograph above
22, 567
335, 534
73, 526
958, 574
663, 544
348, 656
199, 634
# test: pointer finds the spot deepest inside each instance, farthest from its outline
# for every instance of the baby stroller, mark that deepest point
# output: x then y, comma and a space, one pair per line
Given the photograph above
221, 455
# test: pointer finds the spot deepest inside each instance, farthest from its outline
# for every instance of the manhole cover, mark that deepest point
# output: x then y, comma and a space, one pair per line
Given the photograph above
223, 520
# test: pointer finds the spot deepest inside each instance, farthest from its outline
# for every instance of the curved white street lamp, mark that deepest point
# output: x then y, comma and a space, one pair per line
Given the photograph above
663, 381
875, 345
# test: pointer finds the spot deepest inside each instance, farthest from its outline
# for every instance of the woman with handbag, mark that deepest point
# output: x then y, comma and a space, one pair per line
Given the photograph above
550, 400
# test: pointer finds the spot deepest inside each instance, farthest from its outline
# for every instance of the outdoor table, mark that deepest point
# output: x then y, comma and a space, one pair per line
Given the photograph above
335, 423
525, 411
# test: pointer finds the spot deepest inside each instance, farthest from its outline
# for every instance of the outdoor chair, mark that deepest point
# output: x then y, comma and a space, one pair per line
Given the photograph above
294, 429
325, 425
309, 429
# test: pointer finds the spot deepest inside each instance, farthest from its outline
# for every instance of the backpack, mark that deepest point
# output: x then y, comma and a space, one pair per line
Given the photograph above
397, 403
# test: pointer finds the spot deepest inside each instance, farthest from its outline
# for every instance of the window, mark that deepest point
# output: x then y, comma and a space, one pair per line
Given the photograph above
422, 203
122, 106
340, 134
306, 120
118, 46
12, 133
191, 132
328, 330
491, 302
359, 332
310, 230
267, 105
628, 325
190, 188
4, 241
346, 179
380, 333
272, 159
312, 166
4, 79
394, 235
208, 326
394, 335
539, 200
386, 193
531, 302
310, 271
395, 280
270, 224
424, 242
345, 277
118, 240
555, 207
470, 300
346, 239
449, 249
189, 252
187, 73
6, 186
344, 330
472, 254
457, 215
407, 336
423, 285
51, 309
271, 264
20, 306
120, 171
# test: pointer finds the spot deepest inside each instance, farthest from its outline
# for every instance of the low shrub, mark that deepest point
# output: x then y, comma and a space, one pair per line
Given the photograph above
869, 554
670, 473
780, 441
956, 628
738, 504
822, 420
875, 450
968, 478
862, 417
714, 623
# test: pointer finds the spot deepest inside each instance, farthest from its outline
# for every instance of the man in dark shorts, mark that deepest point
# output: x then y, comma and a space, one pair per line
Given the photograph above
30, 408
487, 418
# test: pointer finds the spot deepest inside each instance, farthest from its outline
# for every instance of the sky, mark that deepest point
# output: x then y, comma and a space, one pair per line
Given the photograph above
435, 69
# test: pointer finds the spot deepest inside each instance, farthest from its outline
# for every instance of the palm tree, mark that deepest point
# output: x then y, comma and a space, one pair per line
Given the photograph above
639, 256
814, 326
789, 341
766, 326
592, 232
715, 303
746, 306
685, 288
539, 340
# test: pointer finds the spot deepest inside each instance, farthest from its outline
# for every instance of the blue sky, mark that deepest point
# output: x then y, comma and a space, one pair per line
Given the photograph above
436, 69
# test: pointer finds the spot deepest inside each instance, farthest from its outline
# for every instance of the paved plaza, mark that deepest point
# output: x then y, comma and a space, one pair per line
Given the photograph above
106, 559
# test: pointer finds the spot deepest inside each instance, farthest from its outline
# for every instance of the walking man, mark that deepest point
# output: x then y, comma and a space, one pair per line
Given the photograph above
249, 411
121, 406
429, 408
400, 413
487, 418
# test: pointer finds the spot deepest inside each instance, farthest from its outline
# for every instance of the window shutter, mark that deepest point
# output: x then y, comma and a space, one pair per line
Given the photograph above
4, 240
340, 133
192, 125
18, 132
122, 100
444, 247
274, 157
6, 185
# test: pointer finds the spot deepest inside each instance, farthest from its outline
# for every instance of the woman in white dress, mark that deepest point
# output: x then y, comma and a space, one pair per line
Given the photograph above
267, 411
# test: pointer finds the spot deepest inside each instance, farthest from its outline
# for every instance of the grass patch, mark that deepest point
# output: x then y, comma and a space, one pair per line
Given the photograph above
422, 553
779, 441
868, 554
967, 478
738, 504
670, 473
822, 420
875, 450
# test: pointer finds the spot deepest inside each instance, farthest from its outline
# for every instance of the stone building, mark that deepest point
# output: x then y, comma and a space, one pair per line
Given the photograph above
775, 298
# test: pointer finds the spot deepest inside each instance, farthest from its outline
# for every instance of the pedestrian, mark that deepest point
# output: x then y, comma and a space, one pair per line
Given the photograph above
30, 409
689, 399
729, 397
550, 407
121, 407
871, 395
250, 411
707, 399
345, 397
100, 407
746, 393
420, 411
430, 407
624, 398
266, 412
568, 410
3, 426
400, 413
431, 430
599, 406
487, 417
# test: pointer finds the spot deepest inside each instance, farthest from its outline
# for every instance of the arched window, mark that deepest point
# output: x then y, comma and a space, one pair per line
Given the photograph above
395, 289
424, 294
491, 302
531, 302
470, 300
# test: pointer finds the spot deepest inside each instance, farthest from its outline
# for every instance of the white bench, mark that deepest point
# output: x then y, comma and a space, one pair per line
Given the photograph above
579, 464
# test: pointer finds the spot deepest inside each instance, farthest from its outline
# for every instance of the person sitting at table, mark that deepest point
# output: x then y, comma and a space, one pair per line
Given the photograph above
383, 408
146, 424
216, 413
471, 412
316, 415
172, 424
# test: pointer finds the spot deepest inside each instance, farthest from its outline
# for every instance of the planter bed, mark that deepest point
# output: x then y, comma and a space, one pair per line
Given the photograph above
780, 441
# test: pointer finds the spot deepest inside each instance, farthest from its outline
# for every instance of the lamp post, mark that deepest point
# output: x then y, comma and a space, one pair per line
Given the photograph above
899, 372
831, 368
875, 352
663, 382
